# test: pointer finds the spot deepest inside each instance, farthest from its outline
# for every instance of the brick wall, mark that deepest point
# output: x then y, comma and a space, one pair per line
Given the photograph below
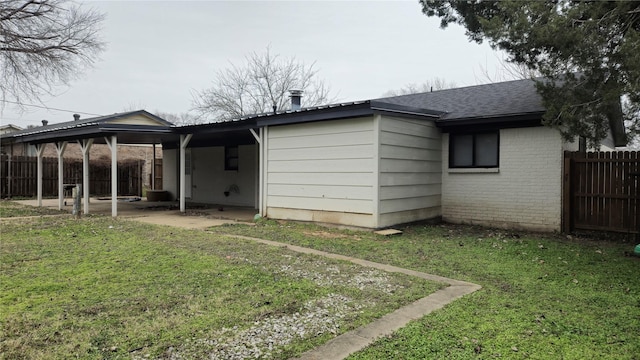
525, 192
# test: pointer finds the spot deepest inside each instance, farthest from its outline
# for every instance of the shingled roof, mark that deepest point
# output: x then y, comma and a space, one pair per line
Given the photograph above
505, 99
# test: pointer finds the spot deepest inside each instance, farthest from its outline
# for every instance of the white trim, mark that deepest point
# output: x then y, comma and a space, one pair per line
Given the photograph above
256, 136
473, 170
376, 169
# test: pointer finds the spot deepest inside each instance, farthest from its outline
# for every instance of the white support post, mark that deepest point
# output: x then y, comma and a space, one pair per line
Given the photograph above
260, 172
113, 145
85, 146
258, 177
60, 147
184, 141
40, 153
264, 135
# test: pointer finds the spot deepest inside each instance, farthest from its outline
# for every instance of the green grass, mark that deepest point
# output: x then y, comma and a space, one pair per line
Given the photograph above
543, 296
14, 209
100, 288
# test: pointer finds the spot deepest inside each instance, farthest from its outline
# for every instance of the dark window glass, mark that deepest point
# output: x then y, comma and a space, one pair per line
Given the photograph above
231, 158
474, 150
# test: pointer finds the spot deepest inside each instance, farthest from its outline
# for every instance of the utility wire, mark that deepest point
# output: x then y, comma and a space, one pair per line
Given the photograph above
49, 108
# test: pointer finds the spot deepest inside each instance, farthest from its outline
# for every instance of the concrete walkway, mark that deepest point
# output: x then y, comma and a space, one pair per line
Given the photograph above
355, 340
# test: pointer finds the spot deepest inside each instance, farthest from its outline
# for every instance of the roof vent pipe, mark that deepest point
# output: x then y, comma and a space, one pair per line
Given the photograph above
76, 117
45, 122
295, 99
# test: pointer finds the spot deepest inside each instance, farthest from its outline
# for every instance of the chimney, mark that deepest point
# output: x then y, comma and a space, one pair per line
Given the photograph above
76, 117
295, 99
45, 122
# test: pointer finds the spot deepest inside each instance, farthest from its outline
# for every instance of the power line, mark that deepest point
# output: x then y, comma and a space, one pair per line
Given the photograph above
50, 108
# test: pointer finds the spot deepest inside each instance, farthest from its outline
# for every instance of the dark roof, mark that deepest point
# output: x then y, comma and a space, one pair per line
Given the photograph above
315, 113
504, 99
96, 126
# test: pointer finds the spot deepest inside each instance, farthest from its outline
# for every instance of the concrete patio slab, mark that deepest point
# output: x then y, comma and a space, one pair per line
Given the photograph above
197, 216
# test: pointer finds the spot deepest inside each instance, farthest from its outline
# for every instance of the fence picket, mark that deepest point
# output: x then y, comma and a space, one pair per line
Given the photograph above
18, 176
603, 192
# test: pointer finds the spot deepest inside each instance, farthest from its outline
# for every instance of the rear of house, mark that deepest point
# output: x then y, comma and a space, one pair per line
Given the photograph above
469, 155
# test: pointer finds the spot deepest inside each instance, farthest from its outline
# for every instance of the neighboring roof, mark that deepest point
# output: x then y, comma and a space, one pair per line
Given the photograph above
479, 103
10, 127
140, 126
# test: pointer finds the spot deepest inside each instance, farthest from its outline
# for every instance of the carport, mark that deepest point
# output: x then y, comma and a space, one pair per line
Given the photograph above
135, 127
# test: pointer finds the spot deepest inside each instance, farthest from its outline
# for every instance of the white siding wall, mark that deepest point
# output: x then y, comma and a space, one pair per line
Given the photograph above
322, 171
525, 193
210, 180
410, 170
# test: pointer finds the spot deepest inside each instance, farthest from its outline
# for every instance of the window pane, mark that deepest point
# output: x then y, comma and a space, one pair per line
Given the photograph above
486, 150
462, 150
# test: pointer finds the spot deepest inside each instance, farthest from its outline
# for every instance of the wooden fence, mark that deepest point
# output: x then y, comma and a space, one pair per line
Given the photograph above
158, 175
18, 176
602, 191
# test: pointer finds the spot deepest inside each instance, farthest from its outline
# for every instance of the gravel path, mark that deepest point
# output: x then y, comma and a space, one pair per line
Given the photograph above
266, 338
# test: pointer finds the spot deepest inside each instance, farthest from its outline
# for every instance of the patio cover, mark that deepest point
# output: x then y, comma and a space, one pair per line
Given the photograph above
134, 127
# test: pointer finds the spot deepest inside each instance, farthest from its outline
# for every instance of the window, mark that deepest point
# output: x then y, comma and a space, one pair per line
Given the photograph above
473, 150
231, 158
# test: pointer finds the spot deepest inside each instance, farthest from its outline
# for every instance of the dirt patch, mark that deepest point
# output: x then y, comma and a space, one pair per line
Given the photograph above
325, 234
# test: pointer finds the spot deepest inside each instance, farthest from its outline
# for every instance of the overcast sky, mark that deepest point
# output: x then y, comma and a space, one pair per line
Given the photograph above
159, 52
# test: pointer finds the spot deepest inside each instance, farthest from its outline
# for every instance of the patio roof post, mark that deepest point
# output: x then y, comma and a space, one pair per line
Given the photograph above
60, 148
184, 141
260, 167
85, 146
112, 141
40, 153
264, 134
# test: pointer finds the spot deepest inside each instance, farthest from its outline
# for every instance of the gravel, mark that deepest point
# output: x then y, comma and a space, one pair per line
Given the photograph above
265, 338
353, 276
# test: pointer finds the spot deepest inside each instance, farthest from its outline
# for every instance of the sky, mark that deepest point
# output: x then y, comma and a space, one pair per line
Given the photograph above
160, 52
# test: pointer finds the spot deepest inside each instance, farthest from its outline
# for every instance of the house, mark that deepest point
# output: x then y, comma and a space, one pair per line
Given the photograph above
5, 129
476, 154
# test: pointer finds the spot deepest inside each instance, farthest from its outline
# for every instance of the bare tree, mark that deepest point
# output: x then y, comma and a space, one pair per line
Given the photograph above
44, 44
435, 83
506, 71
180, 119
258, 86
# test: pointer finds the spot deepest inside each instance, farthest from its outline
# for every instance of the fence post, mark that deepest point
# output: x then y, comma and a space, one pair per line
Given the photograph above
566, 193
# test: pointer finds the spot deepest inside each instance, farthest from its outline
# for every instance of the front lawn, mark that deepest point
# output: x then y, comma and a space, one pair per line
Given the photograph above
98, 288
543, 296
